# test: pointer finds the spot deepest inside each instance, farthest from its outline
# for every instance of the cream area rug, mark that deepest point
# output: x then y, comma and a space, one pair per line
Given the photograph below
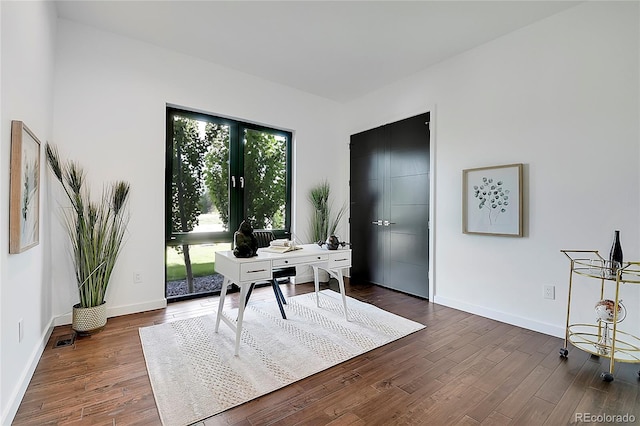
194, 374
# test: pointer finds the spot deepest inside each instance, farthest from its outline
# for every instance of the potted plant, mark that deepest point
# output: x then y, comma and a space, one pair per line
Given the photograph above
324, 220
96, 231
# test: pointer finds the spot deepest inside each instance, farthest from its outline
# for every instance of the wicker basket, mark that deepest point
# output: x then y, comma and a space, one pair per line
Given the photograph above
89, 320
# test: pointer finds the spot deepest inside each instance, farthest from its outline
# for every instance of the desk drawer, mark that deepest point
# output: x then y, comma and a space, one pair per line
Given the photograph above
302, 260
255, 271
340, 260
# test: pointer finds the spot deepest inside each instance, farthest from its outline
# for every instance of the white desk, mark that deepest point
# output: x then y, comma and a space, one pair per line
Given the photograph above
245, 271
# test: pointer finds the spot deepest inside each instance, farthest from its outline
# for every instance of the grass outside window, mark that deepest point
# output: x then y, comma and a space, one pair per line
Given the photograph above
202, 260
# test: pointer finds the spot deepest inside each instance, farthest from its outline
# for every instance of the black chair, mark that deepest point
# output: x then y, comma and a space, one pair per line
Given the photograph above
264, 239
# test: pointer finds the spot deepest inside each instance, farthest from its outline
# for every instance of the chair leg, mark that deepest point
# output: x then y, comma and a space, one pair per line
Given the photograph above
279, 290
249, 294
279, 297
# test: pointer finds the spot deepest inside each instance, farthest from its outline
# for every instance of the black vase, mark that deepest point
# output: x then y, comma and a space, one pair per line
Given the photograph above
333, 242
615, 256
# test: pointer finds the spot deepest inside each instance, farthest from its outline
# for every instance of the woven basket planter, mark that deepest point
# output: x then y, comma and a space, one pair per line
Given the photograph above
89, 320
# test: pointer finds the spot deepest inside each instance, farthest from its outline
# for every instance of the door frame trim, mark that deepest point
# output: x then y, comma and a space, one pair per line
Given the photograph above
432, 201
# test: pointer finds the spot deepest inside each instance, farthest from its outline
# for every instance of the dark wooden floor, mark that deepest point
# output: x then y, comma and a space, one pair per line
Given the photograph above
462, 369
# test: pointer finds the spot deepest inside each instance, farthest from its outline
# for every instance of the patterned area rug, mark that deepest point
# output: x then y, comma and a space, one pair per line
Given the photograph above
194, 374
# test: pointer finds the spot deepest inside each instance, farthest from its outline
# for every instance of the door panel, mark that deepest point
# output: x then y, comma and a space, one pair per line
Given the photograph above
390, 182
409, 167
410, 190
366, 205
408, 248
407, 163
410, 219
409, 278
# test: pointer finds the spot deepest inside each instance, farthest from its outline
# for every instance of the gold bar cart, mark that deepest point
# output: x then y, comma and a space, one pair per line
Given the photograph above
602, 338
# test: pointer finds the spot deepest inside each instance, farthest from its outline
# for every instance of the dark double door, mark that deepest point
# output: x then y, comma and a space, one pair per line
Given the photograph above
389, 205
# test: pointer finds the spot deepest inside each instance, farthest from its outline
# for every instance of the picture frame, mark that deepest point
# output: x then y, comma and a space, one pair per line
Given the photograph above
492, 200
24, 198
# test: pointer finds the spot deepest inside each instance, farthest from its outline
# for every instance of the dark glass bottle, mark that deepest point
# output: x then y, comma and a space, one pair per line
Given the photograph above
615, 257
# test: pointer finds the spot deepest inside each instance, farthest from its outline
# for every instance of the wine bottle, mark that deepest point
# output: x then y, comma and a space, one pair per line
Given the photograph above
615, 256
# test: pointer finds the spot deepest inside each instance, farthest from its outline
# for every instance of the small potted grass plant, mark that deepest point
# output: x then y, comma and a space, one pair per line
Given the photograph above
96, 231
324, 220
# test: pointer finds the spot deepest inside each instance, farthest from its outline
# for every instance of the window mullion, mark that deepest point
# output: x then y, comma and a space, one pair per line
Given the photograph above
235, 170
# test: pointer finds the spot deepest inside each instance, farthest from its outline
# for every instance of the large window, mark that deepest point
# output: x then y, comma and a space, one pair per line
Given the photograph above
219, 172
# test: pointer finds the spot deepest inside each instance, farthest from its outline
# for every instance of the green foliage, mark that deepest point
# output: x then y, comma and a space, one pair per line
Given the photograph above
204, 203
96, 229
216, 170
264, 176
201, 178
323, 222
187, 179
265, 180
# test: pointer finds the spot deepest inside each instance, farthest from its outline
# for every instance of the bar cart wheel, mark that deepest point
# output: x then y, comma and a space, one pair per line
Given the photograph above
607, 377
564, 353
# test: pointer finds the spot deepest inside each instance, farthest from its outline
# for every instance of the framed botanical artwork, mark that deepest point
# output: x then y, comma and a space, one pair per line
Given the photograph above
24, 199
492, 200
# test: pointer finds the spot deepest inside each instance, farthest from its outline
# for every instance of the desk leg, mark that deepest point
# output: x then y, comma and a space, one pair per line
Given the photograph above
223, 293
244, 289
338, 275
316, 282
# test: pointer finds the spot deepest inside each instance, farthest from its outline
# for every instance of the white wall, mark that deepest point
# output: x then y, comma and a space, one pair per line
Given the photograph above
27, 52
109, 114
560, 96
2, 216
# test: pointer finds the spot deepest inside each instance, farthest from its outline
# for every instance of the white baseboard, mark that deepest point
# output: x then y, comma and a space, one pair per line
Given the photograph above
117, 311
18, 393
529, 324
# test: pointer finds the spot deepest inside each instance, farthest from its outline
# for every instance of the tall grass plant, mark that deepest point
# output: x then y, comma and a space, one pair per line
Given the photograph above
96, 229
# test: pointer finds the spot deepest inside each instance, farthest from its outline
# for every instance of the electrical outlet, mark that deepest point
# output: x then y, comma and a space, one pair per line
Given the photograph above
137, 277
549, 292
20, 330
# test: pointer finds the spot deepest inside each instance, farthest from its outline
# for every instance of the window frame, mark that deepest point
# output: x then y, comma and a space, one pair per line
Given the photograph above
236, 168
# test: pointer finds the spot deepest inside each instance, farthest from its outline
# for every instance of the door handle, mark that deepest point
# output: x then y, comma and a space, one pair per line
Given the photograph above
241, 181
387, 223
233, 181
377, 222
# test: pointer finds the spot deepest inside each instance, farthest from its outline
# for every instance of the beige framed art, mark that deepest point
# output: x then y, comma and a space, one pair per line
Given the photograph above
24, 199
492, 200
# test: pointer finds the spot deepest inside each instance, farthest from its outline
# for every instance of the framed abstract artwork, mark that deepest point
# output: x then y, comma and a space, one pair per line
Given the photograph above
24, 199
492, 200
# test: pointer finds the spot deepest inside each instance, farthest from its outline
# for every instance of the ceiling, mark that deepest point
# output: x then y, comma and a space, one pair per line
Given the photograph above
338, 50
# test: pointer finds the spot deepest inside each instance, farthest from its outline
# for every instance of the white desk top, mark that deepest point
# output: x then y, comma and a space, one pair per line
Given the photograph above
306, 250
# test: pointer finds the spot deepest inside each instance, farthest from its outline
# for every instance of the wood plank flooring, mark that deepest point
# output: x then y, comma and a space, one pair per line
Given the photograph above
461, 370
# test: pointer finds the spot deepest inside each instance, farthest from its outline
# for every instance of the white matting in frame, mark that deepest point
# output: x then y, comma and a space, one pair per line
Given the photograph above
492, 200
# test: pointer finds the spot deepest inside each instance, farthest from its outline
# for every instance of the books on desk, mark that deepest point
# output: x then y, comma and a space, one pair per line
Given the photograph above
281, 246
